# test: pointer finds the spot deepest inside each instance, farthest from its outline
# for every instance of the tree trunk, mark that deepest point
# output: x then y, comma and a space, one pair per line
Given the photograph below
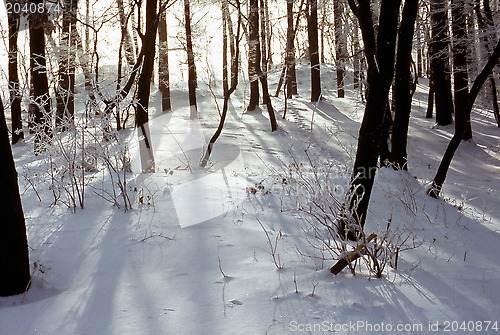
14, 255
312, 32
487, 41
460, 76
402, 90
291, 76
225, 75
460, 124
380, 73
65, 97
263, 37
496, 109
144, 87
430, 101
340, 45
163, 69
356, 57
41, 106
440, 69
227, 95
129, 48
192, 81
14, 89
253, 54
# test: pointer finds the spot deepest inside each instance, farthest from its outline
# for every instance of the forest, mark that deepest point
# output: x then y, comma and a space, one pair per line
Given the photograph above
274, 166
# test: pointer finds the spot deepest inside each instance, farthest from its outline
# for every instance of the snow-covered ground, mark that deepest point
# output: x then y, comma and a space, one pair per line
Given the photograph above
197, 260
194, 256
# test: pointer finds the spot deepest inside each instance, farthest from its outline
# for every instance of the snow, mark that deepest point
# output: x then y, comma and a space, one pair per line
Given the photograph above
196, 260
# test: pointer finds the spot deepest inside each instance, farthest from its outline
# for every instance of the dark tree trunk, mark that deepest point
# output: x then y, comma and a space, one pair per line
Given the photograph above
384, 152
291, 77
41, 106
15, 92
440, 68
460, 76
253, 54
144, 86
65, 100
192, 81
340, 45
460, 124
288, 69
163, 70
496, 109
380, 73
402, 89
356, 57
430, 101
312, 32
14, 255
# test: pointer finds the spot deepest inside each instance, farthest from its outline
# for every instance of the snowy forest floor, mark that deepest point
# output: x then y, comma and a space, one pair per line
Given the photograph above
192, 256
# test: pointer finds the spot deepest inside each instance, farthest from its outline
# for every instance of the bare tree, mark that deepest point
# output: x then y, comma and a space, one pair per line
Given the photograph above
65, 100
163, 69
460, 75
312, 32
440, 80
40, 105
340, 45
487, 41
380, 74
227, 95
402, 90
460, 124
254, 54
14, 89
192, 81
144, 87
254, 61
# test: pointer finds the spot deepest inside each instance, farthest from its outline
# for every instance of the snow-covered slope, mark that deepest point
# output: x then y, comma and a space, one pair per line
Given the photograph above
196, 260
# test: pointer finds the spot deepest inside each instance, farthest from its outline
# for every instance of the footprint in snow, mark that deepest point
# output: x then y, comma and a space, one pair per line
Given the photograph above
234, 302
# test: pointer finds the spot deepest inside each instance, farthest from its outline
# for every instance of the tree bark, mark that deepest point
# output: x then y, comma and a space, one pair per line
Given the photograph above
380, 73
312, 31
14, 254
144, 87
356, 57
487, 41
288, 69
340, 45
225, 71
430, 101
460, 76
41, 106
65, 97
440, 68
291, 76
402, 90
14, 89
163, 69
129, 48
192, 80
253, 54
